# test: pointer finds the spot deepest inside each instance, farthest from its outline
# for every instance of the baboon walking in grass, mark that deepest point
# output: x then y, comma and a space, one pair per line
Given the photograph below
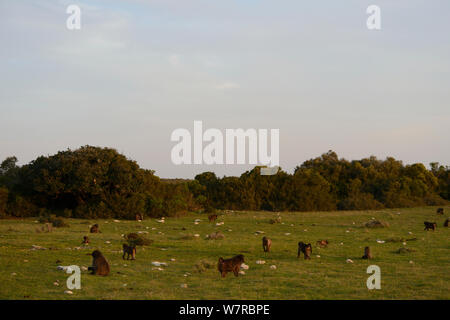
230, 265
85, 240
130, 251
266, 243
430, 225
446, 222
212, 217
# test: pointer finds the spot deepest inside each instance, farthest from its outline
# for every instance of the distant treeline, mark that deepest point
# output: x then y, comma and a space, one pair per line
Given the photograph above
93, 182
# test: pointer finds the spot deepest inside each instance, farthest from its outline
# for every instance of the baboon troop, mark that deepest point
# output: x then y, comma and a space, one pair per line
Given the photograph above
267, 243
230, 265
212, 217
100, 266
367, 253
130, 251
322, 243
306, 249
446, 222
430, 225
85, 240
440, 211
95, 229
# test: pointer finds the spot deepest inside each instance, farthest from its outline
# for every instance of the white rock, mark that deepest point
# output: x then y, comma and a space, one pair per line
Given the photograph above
349, 261
318, 256
260, 262
68, 292
287, 234
173, 259
158, 264
56, 283
116, 221
196, 235
273, 267
108, 242
381, 241
241, 272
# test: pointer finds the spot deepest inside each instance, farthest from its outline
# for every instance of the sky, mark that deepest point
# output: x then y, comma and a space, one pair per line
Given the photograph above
137, 70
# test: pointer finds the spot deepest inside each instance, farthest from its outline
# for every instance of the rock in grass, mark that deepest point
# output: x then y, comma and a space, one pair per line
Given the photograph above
377, 224
260, 262
68, 292
349, 261
183, 285
273, 267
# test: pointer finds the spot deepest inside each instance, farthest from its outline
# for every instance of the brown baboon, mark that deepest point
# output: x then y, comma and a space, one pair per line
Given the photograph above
99, 265
322, 243
95, 229
130, 251
139, 216
85, 240
267, 243
440, 211
367, 253
212, 217
430, 225
446, 222
304, 248
230, 265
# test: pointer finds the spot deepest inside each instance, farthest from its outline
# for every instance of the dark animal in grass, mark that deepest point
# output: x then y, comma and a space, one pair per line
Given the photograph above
322, 243
99, 266
139, 217
430, 225
230, 265
304, 248
367, 253
85, 240
446, 222
267, 243
95, 229
440, 211
212, 217
130, 251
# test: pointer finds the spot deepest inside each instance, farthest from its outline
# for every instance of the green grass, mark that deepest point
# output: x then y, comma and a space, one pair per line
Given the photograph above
327, 277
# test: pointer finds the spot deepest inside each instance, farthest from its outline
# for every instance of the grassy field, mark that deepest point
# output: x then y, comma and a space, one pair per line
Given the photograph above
421, 274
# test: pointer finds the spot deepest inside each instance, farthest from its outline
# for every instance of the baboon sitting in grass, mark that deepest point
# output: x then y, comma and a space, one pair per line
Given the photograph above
95, 229
212, 217
322, 243
130, 251
446, 222
367, 253
440, 211
100, 266
304, 248
139, 217
430, 225
267, 243
85, 240
230, 265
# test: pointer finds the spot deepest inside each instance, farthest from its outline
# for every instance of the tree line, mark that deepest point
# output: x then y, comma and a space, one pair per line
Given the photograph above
93, 182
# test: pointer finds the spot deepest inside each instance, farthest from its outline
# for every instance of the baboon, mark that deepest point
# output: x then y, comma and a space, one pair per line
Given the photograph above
430, 225
130, 251
95, 229
267, 243
230, 265
139, 216
440, 211
367, 253
304, 248
85, 240
322, 243
99, 265
446, 222
212, 217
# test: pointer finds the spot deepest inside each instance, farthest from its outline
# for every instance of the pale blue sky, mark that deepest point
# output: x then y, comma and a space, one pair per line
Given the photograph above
139, 69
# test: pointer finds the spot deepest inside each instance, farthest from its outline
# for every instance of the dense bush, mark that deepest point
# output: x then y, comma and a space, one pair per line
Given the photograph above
93, 182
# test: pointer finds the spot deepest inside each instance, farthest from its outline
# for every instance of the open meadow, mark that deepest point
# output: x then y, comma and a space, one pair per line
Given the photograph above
422, 273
